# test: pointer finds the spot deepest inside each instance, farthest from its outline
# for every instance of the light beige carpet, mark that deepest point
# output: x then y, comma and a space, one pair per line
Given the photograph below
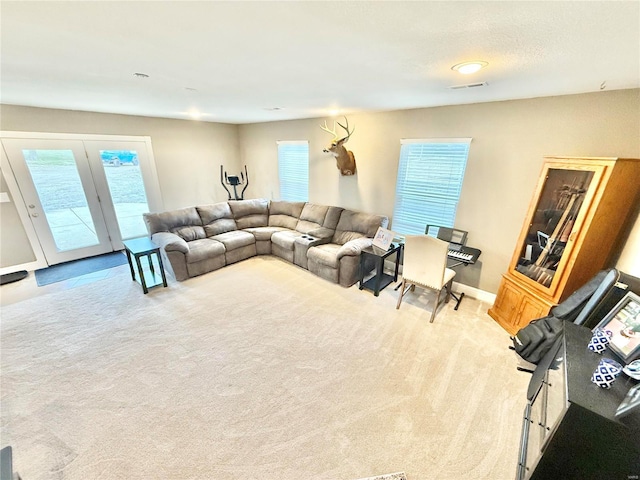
260, 370
389, 476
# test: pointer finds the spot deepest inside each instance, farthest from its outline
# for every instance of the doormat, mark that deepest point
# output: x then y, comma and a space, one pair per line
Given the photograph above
76, 268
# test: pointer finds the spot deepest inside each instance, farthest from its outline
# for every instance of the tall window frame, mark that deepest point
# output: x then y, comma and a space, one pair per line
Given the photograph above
293, 170
429, 183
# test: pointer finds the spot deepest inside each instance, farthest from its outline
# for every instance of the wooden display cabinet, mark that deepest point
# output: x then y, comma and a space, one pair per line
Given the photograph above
571, 231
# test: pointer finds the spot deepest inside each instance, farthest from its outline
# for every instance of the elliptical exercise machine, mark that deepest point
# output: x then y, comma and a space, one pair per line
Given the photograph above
234, 181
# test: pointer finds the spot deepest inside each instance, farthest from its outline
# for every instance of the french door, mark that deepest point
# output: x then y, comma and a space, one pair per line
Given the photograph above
83, 197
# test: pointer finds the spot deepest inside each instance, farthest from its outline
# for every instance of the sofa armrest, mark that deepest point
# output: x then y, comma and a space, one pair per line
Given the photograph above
354, 247
170, 242
322, 232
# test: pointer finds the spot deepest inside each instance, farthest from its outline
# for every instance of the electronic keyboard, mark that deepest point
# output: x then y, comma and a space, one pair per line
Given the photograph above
463, 254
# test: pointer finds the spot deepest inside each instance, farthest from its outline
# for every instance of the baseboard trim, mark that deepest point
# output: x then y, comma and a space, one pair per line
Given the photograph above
473, 292
30, 267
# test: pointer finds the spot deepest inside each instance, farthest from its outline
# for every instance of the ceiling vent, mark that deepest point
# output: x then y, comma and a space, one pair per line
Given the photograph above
468, 85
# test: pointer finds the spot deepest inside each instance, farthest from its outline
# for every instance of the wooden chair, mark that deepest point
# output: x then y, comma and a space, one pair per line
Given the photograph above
425, 265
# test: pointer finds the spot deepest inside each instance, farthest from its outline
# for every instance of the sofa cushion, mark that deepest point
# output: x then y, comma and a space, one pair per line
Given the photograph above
325, 254
190, 233
235, 239
333, 217
285, 214
184, 222
314, 213
203, 249
263, 233
354, 225
285, 238
311, 217
216, 218
318, 220
250, 213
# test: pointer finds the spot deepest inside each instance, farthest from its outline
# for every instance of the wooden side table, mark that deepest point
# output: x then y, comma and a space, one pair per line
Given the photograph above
380, 279
144, 247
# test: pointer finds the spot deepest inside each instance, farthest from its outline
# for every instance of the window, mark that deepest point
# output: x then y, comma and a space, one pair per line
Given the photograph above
293, 171
430, 174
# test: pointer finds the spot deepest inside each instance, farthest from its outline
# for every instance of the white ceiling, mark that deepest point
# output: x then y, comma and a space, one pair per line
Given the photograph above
234, 62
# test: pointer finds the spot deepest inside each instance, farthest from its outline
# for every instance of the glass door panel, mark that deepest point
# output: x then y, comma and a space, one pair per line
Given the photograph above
64, 203
126, 186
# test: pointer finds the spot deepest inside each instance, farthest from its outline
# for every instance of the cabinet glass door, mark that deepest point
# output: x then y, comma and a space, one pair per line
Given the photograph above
556, 216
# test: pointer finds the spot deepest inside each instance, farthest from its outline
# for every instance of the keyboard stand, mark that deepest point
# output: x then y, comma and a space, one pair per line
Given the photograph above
458, 298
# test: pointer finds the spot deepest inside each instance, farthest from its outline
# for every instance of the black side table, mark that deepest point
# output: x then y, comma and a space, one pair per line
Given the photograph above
144, 247
380, 279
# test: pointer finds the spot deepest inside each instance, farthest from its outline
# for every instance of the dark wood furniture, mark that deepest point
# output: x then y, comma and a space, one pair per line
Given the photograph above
569, 429
380, 279
571, 231
148, 278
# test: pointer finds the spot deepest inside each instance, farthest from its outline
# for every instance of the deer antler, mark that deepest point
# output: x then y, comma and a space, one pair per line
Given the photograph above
346, 129
332, 132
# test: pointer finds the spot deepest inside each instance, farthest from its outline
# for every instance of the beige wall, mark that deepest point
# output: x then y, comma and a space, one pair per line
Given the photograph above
629, 260
188, 155
509, 141
14, 243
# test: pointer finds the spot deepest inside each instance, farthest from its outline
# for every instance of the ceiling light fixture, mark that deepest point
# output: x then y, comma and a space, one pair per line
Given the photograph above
469, 67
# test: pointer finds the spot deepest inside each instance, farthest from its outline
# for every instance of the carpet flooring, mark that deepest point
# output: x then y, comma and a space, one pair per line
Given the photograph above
259, 370
76, 268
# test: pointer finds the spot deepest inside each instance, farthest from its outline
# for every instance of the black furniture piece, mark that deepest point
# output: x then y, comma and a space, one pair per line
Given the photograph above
380, 279
6, 465
448, 234
144, 247
459, 253
614, 286
13, 277
569, 427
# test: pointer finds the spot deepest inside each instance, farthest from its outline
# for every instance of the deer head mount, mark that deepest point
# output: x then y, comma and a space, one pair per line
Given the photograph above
345, 160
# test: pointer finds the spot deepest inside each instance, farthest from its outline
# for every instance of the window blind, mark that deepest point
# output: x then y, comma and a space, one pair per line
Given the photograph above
430, 174
293, 170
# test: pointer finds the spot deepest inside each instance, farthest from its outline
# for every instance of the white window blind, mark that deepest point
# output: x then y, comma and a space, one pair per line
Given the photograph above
293, 170
430, 174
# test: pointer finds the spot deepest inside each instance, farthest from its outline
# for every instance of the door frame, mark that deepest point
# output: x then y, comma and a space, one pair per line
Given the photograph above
100, 241
21, 208
151, 183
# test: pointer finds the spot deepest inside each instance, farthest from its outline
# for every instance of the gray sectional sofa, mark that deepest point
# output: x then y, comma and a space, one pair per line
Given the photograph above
323, 239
